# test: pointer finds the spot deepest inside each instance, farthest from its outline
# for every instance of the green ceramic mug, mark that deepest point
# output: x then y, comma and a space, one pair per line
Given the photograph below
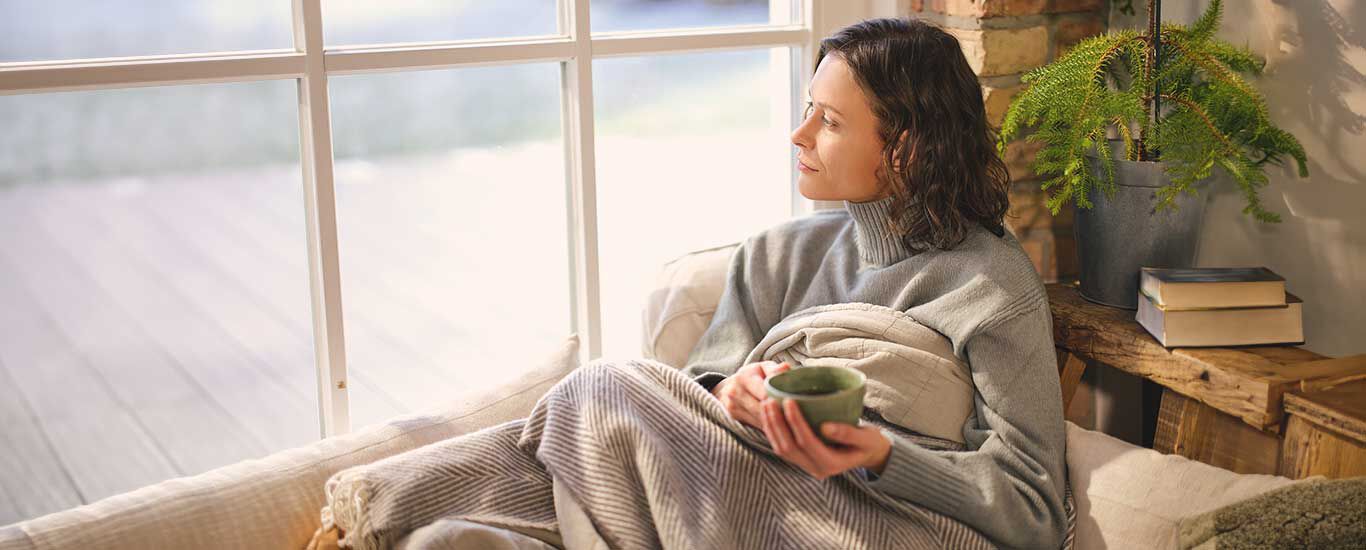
824, 394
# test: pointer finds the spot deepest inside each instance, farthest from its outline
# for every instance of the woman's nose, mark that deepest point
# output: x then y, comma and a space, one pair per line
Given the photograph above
801, 137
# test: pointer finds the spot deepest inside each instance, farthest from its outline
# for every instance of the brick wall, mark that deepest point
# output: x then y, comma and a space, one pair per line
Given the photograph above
1002, 40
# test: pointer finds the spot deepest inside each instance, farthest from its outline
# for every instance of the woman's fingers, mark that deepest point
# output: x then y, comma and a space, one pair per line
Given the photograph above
827, 462
781, 436
753, 383
801, 432
770, 430
794, 440
755, 373
783, 442
773, 369
742, 407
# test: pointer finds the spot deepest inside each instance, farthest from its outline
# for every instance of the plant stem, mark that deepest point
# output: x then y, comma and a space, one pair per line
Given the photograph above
1203, 117
1147, 76
1156, 30
1152, 109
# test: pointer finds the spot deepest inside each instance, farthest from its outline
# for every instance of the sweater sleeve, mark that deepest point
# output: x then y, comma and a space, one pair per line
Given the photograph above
734, 329
1009, 484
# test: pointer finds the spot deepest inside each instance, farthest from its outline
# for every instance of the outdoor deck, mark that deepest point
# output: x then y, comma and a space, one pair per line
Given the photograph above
155, 329
160, 327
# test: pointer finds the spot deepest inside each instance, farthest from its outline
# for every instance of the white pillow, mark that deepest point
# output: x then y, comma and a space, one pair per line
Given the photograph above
679, 309
1131, 497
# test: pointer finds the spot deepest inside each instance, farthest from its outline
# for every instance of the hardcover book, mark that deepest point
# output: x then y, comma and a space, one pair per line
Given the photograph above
1175, 327
1212, 287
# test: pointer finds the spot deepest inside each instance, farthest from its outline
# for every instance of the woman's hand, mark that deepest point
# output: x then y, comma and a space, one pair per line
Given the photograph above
793, 439
742, 392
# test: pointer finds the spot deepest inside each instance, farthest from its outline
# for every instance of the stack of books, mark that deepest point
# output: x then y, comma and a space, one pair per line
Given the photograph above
1203, 307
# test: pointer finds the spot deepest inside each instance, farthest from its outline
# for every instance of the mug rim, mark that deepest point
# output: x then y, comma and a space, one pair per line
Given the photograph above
863, 381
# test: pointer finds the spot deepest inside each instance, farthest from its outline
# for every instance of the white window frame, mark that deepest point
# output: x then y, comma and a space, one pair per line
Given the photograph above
310, 64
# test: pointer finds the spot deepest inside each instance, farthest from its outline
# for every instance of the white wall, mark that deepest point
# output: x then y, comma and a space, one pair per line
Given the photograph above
1315, 86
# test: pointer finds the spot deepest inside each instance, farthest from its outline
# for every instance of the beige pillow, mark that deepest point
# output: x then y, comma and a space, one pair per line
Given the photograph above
1131, 497
679, 309
274, 502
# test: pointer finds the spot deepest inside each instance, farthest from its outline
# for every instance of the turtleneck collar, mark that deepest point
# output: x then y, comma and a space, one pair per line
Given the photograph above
878, 243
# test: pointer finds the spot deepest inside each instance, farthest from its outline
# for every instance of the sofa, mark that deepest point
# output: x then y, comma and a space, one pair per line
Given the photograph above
1127, 496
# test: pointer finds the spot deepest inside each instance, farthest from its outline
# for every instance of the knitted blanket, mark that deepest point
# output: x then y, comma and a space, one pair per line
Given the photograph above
653, 460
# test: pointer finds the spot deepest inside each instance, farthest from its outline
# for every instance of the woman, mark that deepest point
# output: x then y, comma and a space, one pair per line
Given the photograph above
637, 455
895, 127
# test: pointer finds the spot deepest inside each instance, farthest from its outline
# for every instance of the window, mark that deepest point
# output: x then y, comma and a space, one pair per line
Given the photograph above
452, 229
478, 181
698, 132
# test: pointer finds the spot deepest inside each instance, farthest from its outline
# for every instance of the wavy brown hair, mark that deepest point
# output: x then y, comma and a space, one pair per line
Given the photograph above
948, 177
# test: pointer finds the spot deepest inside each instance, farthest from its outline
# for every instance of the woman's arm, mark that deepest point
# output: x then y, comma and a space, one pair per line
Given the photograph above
1010, 486
734, 330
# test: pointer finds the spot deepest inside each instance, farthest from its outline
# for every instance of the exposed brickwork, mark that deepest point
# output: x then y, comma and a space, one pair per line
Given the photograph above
1045, 236
994, 52
1018, 156
1002, 40
982, 9
1009, 8
1069, 32
998, 100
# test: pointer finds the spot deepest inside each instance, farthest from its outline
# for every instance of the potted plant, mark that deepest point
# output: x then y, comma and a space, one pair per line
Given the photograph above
1145, 119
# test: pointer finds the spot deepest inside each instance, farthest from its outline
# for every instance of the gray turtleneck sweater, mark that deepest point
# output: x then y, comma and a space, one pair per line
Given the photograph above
984, 295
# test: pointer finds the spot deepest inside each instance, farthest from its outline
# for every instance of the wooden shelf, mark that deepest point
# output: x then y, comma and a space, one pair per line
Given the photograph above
1255, 409
1245, 382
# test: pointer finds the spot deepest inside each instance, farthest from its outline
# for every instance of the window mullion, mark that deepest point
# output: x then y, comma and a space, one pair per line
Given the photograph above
577, 121
320, 214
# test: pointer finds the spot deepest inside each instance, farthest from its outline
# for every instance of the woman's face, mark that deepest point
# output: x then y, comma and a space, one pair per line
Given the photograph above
838, 146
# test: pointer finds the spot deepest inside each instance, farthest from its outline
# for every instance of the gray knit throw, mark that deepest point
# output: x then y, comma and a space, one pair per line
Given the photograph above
652, 459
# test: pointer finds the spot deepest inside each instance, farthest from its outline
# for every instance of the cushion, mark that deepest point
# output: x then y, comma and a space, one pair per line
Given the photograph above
273, 502
1131, 497
1315, 514
679, 308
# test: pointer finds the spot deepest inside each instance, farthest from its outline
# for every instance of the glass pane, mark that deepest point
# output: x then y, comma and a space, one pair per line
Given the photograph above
68, 29
692, 153
640, 15
451, 208
370, 22
156, 306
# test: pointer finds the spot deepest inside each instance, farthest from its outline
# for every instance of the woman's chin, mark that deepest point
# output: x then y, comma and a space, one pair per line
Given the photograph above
812, 190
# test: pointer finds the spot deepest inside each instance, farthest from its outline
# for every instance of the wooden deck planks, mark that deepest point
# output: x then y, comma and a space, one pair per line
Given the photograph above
183, 302
188, 325
157, 349
32, 478
250, 267
99, 438
234, 410
375, 350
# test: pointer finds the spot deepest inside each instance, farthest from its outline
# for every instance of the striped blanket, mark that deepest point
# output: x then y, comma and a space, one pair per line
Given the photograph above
651, 458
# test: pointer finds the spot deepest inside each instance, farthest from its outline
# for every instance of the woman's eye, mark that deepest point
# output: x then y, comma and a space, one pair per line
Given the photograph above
810, 108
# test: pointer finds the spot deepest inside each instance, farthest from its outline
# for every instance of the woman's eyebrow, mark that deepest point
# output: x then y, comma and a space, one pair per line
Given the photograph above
820, 104
827, 107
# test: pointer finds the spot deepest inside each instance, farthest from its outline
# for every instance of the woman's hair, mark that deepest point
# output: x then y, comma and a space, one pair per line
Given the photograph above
948, 176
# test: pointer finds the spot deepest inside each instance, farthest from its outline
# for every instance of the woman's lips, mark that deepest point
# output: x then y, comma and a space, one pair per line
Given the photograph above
804, 168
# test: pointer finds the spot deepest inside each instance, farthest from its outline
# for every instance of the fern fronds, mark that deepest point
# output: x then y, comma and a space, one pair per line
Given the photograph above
1212, 117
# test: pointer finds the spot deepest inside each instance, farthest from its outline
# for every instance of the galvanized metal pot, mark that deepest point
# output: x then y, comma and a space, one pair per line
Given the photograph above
1124, 232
